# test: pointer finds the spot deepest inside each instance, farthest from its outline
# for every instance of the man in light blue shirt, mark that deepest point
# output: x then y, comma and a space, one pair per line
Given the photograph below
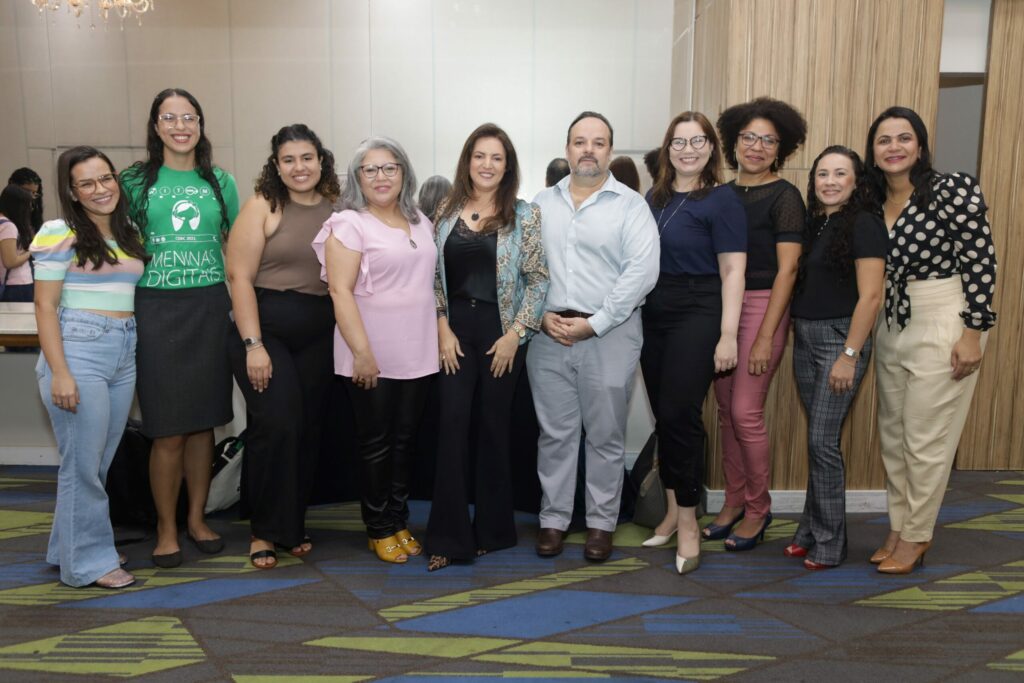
602, 247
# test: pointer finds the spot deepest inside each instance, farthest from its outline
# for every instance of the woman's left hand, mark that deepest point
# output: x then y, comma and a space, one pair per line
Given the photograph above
966, 356
503, 352
725, 354
760, 356
840, 379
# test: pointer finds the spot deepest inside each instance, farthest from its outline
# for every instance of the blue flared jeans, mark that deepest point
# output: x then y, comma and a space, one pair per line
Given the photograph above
100, 353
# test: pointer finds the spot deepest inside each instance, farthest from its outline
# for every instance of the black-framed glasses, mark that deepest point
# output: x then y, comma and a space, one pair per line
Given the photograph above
750, 139
697, 142
170, 120
370, 171
90, 185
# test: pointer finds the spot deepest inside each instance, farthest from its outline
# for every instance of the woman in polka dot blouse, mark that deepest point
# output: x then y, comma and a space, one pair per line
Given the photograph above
940, 275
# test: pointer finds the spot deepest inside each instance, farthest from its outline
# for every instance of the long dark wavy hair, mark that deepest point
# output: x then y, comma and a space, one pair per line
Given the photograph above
921, 173
16, 205
839, 256
24, 176
508, 188
90, 244
144, 173
710, 177
270, 185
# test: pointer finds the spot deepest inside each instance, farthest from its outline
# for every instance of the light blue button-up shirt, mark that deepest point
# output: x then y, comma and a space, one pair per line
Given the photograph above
603, 258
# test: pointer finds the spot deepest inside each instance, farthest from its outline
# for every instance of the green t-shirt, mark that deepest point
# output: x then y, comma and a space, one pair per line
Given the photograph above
183, 229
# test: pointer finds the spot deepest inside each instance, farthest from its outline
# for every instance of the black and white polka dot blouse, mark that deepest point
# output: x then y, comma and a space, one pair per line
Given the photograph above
949, 237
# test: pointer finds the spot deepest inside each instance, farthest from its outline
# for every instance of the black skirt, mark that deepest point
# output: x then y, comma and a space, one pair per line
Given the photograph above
184, 377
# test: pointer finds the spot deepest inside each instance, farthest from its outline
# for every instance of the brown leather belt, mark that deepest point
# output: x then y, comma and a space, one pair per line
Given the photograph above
573, 314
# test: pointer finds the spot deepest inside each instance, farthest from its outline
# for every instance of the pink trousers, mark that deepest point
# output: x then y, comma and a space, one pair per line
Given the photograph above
746, 456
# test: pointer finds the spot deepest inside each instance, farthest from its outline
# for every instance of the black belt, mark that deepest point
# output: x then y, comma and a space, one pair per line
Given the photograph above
569, 313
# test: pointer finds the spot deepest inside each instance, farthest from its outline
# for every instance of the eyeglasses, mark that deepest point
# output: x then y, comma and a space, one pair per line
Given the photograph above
767, 141
697, 142
370, 171
188, 120
89, 186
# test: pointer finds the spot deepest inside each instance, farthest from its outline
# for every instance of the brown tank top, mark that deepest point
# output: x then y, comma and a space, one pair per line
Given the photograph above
289, 262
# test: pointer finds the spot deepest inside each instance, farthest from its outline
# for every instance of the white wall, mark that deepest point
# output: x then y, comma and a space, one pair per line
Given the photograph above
423, 71
965, 36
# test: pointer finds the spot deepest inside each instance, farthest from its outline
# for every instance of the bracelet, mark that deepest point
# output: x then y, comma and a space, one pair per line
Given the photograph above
254, 345
852, 361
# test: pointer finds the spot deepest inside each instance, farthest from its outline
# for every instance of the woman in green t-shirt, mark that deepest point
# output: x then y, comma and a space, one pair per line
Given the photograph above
184, 206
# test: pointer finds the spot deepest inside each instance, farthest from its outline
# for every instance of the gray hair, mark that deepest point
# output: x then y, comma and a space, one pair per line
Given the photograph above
434, 189
352, 196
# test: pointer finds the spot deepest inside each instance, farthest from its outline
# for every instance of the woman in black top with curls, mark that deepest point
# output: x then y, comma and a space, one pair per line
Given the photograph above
838, 294
940, 278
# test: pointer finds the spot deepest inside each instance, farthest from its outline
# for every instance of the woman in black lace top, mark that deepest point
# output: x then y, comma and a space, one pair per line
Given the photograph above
940, 278
757, 138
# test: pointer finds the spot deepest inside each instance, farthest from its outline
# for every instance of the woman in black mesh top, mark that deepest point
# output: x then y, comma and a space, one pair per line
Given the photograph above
757, 137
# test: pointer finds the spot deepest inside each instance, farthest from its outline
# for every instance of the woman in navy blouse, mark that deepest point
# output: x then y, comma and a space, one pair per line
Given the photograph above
940, 278
691, 317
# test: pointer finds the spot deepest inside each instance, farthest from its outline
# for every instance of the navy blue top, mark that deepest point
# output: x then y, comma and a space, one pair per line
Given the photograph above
694, 231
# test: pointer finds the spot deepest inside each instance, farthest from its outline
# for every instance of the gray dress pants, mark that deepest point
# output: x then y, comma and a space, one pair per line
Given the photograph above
588, 384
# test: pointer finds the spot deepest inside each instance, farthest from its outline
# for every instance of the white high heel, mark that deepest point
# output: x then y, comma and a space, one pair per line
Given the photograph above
658, 540
685, 565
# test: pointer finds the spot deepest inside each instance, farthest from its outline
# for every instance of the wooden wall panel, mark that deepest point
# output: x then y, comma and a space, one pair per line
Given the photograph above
994, 435
840, 62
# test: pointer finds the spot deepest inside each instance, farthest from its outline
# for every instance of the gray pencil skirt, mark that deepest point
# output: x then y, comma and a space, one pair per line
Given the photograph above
183, 373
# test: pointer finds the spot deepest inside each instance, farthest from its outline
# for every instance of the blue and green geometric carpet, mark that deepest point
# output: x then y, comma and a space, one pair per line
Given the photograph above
340, 615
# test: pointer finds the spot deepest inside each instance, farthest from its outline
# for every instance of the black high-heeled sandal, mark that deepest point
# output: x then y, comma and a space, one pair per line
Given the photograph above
740, 543
716, 532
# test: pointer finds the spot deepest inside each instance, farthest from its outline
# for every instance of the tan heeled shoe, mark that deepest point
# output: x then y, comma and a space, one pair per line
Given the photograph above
886, 548
410, 545
389, 549
891, 566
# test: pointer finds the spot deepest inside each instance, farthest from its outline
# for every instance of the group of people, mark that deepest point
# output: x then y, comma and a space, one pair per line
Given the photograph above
696, 283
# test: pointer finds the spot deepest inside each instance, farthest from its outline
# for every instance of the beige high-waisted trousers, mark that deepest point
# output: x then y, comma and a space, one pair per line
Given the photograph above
921, 410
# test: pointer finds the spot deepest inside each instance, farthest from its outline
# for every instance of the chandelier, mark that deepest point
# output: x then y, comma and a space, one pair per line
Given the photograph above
121, 9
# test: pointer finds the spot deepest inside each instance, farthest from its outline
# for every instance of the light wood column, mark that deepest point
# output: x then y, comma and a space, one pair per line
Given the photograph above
840, 62
994, 436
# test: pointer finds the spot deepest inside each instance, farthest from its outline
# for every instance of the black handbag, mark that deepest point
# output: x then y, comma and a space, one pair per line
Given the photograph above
651, 502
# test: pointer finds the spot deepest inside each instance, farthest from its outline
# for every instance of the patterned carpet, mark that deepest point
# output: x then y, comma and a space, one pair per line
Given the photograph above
340, 615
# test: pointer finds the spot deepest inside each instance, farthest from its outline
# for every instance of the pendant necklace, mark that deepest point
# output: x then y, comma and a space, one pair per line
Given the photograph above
474, 216
412, 242
661, 226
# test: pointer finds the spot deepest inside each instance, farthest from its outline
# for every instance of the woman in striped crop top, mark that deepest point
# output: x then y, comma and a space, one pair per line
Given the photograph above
87, 265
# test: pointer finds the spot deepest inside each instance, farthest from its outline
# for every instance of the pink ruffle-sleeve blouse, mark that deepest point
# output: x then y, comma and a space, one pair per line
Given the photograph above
394, 292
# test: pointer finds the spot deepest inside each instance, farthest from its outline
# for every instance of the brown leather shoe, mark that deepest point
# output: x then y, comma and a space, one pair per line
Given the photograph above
598, 547
549, 542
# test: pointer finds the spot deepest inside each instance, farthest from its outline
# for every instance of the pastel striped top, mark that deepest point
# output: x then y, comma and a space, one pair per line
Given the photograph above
107, 288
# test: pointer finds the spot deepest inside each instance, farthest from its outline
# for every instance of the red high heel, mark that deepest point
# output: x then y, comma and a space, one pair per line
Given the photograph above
794, 550
814, 566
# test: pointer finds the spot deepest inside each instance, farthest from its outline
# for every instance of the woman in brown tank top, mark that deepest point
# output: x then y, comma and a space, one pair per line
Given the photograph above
281, 349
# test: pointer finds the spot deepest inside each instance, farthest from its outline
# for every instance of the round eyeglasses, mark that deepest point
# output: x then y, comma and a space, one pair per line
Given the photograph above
697, 142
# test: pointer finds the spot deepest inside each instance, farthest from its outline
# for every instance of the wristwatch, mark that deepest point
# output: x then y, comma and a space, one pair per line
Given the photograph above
850, 352
518, 328
251, 342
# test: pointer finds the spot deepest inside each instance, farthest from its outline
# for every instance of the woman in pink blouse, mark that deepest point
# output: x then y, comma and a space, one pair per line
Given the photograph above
379, 256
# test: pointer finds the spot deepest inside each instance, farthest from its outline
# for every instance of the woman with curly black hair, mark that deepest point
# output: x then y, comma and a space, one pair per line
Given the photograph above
281, 338
940, 277
757, 138
184, 206
839, 292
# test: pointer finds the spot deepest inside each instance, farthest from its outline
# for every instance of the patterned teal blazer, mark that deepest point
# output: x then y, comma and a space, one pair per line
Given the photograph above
522, 270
